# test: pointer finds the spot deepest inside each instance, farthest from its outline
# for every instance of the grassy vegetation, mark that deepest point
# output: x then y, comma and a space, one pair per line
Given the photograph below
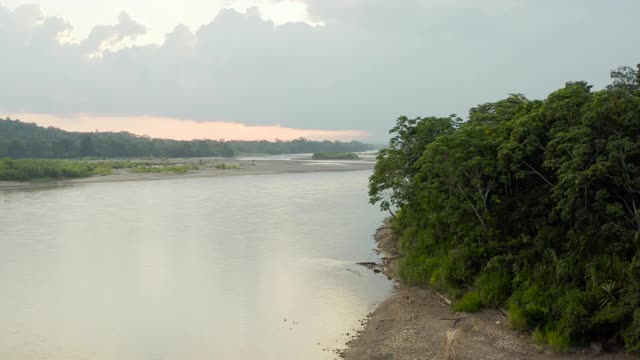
23, 170
40, 170
494, 285
176, 169
102, 170
335, 156
538, 337
471, 302
557, 341
224, 166
632, 334
516, 318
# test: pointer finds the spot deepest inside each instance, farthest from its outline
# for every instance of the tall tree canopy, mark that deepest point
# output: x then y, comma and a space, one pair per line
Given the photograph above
533, 205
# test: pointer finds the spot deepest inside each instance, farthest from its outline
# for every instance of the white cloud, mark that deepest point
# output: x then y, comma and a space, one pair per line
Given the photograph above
372, 61
106, 37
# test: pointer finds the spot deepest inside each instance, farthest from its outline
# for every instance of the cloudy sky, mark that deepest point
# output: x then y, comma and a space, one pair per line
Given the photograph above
253, 69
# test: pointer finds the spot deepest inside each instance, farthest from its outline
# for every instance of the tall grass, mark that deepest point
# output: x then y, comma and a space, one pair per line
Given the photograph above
516, 318
538, 337
30, 169
42, 169
557, 341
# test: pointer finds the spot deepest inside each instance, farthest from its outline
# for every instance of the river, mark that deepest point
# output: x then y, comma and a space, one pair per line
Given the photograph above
240, 267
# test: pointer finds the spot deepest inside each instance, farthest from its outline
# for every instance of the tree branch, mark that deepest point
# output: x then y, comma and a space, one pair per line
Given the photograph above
536, 172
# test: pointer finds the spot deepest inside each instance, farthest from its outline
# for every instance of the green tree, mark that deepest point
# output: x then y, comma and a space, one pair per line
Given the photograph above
391, 181
532, 204
86, 146
15, 149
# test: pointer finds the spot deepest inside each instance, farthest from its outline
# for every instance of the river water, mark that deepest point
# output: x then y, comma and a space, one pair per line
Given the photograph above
244, 267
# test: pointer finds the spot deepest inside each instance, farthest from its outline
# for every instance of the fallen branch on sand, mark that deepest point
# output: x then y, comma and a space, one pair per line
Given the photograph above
375, 267
443, 298
354, 271
367, 264
383, 236
455, 320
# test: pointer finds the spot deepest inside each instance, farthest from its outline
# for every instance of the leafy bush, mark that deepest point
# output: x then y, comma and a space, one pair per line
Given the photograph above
457, 267
532, 304
632, 333
516, 318
335, 156
575, 309
494, 284
416, 270
471, 302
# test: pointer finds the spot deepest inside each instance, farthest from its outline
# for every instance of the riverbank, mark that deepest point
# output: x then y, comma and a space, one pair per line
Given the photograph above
418, 323
206, 167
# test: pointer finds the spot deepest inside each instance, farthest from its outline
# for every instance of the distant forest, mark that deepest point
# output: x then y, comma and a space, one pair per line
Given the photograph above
27, 140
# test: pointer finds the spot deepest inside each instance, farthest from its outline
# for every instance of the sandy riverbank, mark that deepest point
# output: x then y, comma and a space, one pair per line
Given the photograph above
207, 168
413, 324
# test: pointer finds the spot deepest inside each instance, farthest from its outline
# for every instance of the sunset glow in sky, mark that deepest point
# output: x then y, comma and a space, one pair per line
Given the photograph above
168, 128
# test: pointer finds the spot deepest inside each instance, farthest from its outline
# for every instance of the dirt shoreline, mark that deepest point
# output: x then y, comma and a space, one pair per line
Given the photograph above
415, 323
207, 169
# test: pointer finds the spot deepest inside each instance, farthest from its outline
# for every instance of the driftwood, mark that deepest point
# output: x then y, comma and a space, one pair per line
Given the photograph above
355, 272
503, 311
443, 298
380, 237
367, 264
455, 320
375, 267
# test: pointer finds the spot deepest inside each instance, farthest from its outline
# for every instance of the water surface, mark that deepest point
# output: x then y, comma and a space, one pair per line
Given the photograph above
246, 267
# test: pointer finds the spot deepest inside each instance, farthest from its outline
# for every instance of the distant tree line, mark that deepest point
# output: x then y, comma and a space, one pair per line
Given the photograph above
27, 140
533, 205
